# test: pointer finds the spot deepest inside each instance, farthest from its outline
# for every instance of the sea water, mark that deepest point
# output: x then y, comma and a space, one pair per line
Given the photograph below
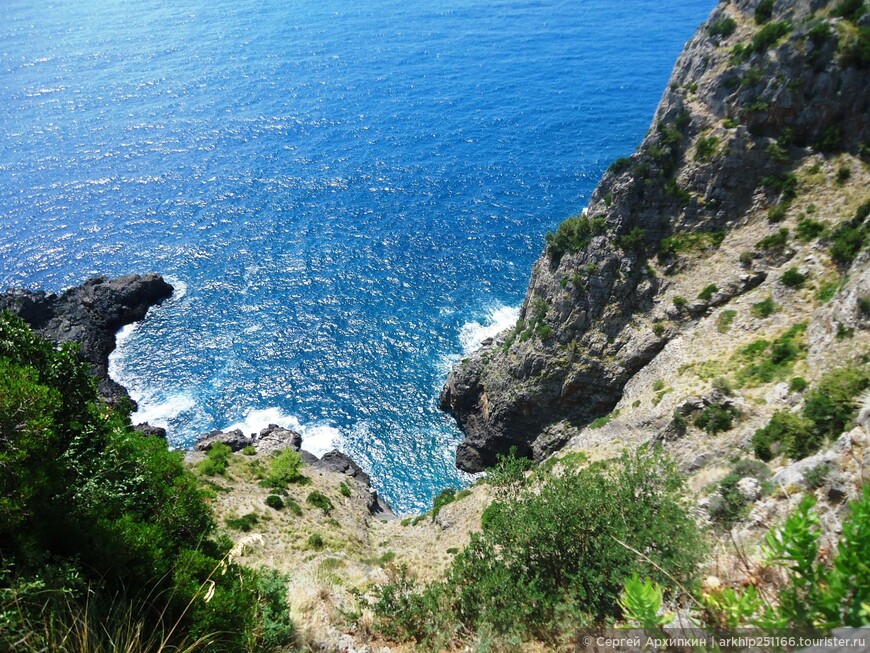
347, 196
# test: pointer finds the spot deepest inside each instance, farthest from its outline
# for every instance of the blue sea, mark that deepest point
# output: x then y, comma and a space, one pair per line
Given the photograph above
347, 196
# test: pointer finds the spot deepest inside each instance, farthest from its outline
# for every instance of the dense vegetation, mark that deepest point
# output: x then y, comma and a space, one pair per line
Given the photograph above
552, 555
102, 525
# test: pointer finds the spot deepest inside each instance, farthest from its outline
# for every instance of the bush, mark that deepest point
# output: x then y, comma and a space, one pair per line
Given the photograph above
444, 498
344, 489
764, 308
275, 502
217, 459
284, 469
768, 35
705, 148
574, 235
320, 500
792, 278
775, 242
725, 320
849, 238
723, 27
249, 451
849, 9
708, 292
633, 241
244, 523
809, 229
728, 505
550, 558
797, 384
793, 434
767, 361
315, 541
716, 419
857, 50
764, 11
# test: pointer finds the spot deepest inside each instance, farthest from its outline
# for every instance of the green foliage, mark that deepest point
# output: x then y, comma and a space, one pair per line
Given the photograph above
785, 186
293, 506
244, 523
343, 489
705, 148
856, 52
550, 558
843, 175
728, 505
827, 411
725, 320
444, 498
600, 422
641, 602
716, 418
849, 238
707, 293
792, 278
249, 451
849, 9
816, 476
764, 308
809, 229
768, 35
767, 361
320, 500
620, 165
91, 506
830, 140
689, 242
797, 384
508, 475
574, 235
680, 302
764, 11
284, 468
775, 242
275, 502
724, 27
776, 213
633, 241
217, 459
315, 541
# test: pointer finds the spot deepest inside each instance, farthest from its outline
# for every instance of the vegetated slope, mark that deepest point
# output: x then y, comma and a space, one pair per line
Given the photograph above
762, 128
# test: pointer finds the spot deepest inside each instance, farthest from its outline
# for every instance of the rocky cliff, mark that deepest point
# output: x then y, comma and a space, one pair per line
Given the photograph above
90, 315
767, 101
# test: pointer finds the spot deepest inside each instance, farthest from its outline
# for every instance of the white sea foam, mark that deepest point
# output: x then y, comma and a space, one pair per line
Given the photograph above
317, 437
162, 412
473, 333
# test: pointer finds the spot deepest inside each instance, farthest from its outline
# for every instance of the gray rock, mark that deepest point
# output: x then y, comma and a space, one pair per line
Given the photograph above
274, 438
235, 440
336, 461
749, 488
151, 431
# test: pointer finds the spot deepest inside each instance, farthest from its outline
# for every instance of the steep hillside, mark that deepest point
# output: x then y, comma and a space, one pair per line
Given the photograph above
761, 130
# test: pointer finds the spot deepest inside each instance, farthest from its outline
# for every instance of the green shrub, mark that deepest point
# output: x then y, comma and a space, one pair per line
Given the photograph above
716, 418
849, 238
793, 433
864, 307
343, 489
275, 502
600, 422
689, 242
728, 505
843, 175
768, 35
705, 148
775, 242
551, 557
764, 308
768, 361
574, 235
658, 328
809, 229
816, 476
764, 11
723, 27
249, 451
777, 212
244, 523
284, 468
797, 384
320, 500
680, 302
849, 9
725, 320
315, 541
830, 140
620, 165
633, 241
857, 50
444, 498
707, 293
293, 507
792, 278
217, 459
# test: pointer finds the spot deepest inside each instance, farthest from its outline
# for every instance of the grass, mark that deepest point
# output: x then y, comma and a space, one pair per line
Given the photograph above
766, 361
725, 320
603, 421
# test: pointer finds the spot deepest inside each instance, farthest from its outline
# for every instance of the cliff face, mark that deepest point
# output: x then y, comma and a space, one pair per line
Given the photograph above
754, 99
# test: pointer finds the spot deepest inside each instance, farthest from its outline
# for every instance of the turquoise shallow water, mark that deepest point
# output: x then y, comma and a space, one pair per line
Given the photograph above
347, 195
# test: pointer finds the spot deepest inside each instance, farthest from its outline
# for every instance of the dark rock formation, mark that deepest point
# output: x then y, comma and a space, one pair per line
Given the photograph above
90, 315
235, 440
150, 431
274, 438
592, 318
336, 461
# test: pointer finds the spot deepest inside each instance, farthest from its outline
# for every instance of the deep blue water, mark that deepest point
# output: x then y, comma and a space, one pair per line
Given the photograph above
346, 194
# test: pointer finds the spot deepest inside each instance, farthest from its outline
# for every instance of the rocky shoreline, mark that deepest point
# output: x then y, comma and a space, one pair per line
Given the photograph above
91, 315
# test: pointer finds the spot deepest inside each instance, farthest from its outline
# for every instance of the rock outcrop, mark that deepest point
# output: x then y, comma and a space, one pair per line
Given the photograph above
746, 104
90, 315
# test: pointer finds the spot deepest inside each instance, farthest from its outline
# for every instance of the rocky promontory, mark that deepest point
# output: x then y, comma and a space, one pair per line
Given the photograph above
90, 315
761, 106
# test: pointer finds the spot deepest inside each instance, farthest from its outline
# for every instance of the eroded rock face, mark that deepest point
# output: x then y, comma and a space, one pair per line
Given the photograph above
90, 315
593, 315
